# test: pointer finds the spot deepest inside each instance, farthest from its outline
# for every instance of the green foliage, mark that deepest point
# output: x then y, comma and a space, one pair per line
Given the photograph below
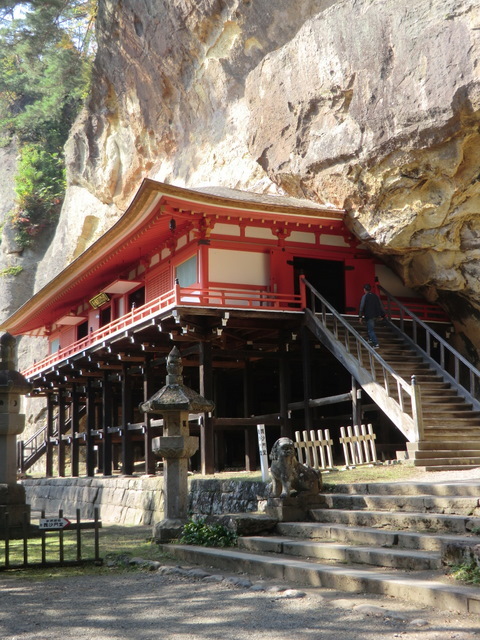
46, 51
467, 572
198, 532
39, 185
45, 57
10, 271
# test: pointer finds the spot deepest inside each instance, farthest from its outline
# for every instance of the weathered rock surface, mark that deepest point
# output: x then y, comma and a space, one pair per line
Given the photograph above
383, 119
372, 106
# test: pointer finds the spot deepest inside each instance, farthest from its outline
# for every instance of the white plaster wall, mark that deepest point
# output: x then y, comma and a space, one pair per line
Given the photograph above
239, 267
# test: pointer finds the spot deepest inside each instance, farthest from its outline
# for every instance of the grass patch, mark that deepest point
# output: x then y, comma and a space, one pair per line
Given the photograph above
380, 473
117, 543
467, 572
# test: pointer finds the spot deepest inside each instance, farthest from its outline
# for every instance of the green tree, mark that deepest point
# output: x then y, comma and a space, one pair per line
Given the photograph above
46, 50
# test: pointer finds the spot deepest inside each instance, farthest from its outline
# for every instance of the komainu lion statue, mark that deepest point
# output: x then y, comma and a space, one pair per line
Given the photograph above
290, 475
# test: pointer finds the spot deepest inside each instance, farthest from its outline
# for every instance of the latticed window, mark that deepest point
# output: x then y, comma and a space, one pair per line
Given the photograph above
158, 284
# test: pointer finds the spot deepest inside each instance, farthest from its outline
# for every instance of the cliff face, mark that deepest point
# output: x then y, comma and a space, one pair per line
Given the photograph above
373, 106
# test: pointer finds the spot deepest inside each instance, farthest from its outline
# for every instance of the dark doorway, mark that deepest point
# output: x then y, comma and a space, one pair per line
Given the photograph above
136, 299
105, 316
82, 330
327, 276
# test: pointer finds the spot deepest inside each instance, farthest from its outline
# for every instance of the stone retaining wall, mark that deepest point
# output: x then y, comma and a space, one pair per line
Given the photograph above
135, 501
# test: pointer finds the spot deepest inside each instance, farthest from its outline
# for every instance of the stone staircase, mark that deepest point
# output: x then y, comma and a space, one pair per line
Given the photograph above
371, 538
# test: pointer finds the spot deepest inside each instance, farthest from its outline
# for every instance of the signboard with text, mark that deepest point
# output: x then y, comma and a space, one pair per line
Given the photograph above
53, 524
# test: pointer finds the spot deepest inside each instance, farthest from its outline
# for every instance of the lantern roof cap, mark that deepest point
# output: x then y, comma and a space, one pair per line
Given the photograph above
175, 396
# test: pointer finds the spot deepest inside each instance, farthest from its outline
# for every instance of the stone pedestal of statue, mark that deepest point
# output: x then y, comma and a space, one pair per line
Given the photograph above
294, 508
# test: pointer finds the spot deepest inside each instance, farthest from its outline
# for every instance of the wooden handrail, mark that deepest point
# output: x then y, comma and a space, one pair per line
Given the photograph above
228, 298
370, 360
436, 349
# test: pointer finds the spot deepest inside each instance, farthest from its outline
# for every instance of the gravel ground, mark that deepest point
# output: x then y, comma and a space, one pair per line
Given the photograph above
159, 605
146, 605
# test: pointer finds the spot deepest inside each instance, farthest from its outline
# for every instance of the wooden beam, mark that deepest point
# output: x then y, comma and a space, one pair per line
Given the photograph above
75, 418
90, 427
107, 422
307, 377
206, 428
49, 435
127, 417
148, 391
321, 402
61, 429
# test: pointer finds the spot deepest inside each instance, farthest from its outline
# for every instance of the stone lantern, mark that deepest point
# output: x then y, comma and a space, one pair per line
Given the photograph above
174, 402
12, 423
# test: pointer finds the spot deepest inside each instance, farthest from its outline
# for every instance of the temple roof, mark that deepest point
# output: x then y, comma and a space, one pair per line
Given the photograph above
136, 235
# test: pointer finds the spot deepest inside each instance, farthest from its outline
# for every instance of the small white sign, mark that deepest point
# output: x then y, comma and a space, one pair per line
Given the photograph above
53, 523
262, 447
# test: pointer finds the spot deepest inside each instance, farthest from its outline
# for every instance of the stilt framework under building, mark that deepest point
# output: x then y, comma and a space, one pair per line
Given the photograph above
254, 290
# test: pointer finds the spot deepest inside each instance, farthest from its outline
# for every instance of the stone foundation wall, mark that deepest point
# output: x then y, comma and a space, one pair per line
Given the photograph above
136, 501
126, 501
209, 497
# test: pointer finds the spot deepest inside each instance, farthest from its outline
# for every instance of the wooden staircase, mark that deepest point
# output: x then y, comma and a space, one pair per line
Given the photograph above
438, 415
29, 451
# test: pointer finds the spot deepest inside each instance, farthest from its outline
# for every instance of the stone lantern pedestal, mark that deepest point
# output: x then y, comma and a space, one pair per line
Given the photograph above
174, 402
12, 423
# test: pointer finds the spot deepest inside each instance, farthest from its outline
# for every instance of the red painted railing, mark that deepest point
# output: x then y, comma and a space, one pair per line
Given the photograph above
228, 298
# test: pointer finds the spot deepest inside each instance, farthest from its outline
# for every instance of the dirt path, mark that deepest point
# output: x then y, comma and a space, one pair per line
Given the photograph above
153, 606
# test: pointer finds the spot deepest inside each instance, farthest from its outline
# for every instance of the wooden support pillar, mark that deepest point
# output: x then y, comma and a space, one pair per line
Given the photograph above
61, 431
251, 447
206, 390
90, 427
99, 422
49, 443
116, 408
75, 421
127, 416
220, 450
307, 377
106, 423
356, 403
148, 391
284, 391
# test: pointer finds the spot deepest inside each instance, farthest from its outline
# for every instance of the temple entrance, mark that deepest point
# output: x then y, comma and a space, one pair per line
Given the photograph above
327, 276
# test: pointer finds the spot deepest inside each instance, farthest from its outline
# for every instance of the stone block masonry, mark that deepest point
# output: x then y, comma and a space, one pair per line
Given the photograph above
137, 500
121, 500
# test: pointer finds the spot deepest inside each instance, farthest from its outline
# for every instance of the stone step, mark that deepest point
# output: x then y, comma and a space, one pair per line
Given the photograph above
371, 536
427, 591
403, 559
461, 488
460, 467
407, 503
458, 524
448, 462
440, 452
448, 445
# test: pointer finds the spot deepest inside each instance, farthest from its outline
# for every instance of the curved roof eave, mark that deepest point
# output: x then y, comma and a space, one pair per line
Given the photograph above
137, 214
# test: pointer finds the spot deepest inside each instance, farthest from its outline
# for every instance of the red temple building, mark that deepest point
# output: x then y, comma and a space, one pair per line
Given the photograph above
260, 294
